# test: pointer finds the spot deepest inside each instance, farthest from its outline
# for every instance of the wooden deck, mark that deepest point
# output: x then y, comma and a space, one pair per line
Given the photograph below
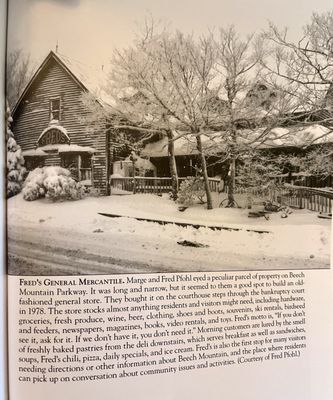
139, 184
302, 197
319, 200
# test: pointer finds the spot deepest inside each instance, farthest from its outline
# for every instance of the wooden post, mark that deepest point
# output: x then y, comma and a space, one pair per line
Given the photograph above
134, 182
92, 170
107, 161
79, 167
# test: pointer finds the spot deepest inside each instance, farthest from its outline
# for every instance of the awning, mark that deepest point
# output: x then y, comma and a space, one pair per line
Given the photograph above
74, 148
68, 148
34, 153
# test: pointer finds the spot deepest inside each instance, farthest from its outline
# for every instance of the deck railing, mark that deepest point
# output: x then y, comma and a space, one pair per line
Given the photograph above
295, 196
313, 199
139, 184
303, 197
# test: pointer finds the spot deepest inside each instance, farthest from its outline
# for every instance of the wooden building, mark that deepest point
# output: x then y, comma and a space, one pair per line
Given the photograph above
294, 140
49, 121
186, 155
51, 124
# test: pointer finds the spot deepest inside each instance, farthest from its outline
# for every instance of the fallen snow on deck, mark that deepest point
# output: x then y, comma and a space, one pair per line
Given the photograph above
302, 238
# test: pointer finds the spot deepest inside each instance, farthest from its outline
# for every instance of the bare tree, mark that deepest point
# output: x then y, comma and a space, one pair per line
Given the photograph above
175, 75
18, 73
237, 64
274, 90
224, 91
302, 71
199, 89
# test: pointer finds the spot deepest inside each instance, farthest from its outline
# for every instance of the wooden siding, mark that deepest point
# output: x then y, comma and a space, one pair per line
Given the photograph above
52, 159
33, 116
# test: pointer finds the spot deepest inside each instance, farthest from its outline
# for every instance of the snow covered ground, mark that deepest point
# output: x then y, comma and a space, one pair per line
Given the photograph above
300, 241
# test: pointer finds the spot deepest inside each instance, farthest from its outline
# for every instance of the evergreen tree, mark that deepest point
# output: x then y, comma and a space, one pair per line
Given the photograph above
15, 170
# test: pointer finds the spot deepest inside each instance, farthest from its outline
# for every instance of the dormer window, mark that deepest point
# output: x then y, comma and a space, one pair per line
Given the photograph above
55, 109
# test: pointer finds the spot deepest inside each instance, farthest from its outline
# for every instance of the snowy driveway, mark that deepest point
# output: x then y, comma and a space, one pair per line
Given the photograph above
71, 238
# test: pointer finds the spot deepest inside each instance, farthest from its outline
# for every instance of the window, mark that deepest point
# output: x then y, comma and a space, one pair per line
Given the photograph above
55, 109
33, 162
69, 161
85, 161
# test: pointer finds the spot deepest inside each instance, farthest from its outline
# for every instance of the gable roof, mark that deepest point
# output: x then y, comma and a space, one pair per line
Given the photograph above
88, 78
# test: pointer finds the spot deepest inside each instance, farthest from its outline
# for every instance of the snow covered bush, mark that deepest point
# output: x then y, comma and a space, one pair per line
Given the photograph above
15, 161
257, 172
54, 183
33, 186
192, 189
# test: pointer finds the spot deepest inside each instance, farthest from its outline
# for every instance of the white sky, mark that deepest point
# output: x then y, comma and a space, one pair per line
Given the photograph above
88, 30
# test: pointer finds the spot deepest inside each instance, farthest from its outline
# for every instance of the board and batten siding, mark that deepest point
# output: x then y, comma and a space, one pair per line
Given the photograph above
32, 116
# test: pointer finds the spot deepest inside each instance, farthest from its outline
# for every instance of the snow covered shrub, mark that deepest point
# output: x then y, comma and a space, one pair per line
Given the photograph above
255, 175
15, 161
54, 183
192, 189
62, 187
33, 186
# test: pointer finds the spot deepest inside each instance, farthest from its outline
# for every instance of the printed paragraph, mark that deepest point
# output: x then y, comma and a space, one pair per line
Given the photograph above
102, 328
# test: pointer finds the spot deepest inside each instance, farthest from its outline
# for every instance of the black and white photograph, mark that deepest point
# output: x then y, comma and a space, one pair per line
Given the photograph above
146, 137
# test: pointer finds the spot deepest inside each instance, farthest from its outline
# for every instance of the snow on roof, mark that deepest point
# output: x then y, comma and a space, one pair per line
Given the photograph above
95, 80
298, 136
68, 148
142, 163
34, 153
183, 146
74, 148
278, 137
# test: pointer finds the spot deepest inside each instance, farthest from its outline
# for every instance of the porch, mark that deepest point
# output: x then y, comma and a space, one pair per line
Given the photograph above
313, 199
77, 159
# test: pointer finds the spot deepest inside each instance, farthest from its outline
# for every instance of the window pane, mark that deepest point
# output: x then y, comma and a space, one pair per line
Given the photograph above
69, 161
55, 109
85, 161
56, 104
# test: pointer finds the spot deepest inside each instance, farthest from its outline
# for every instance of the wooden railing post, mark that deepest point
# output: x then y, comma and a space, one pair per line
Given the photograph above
300, 198
134, 184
